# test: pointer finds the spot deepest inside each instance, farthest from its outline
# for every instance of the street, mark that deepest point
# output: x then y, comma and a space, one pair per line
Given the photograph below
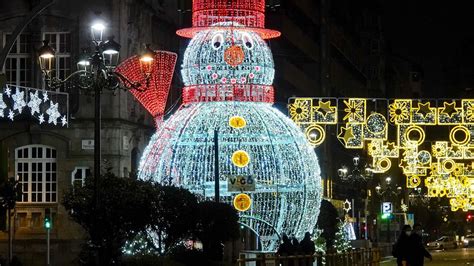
451, 257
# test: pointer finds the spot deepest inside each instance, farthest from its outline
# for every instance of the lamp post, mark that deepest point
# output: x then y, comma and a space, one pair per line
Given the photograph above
95, 72
357, 175
388, 191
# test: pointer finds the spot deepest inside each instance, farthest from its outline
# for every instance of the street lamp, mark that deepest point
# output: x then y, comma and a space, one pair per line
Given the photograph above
46, 57
357, 173
389, 190
96, 71
418, 197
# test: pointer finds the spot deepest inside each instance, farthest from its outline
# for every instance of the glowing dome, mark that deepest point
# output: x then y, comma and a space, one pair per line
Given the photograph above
285, 167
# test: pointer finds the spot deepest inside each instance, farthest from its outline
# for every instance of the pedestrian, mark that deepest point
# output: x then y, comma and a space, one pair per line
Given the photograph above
296, 245
307, 248
416, 250
400, 248
285, 248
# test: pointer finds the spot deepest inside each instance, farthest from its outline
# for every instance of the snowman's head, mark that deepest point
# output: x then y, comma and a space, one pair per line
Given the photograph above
227, 56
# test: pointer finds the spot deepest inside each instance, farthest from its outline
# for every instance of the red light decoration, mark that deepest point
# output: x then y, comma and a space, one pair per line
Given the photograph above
228, 92
249, 13
153, 93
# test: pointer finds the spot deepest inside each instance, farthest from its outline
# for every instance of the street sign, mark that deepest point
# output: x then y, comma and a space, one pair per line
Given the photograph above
240, 183
387, 207
242, 202
411, 219
87, 144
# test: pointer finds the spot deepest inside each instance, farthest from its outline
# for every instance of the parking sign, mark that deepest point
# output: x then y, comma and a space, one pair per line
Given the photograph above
387, 207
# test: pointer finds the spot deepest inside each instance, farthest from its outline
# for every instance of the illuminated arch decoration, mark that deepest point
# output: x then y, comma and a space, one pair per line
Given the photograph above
444, 166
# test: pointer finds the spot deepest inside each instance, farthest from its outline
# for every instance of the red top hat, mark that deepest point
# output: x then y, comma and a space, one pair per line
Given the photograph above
248, 14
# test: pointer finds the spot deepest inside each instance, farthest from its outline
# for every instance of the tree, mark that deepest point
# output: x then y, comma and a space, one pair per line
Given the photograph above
217, 223
173, 216
122, 211
10, 193
327, 221
341, 241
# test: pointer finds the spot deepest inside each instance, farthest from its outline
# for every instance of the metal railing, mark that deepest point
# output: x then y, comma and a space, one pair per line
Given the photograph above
358, 257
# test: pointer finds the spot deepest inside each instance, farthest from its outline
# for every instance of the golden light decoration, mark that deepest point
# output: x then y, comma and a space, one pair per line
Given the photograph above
446, 168
454, 133
242, 202
424, 109
376, 127
374, 148
399, 111
449, 114
324, 108
299, 110
355, 110
439, 149
381, 164
468, 109
412, 131
240, 158
315, 134
413, 181
346, 134
237, 122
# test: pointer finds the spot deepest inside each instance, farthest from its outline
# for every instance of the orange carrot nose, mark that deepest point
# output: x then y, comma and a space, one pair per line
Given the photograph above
234, 55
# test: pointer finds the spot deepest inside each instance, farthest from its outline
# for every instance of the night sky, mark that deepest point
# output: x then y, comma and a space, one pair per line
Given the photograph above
438, 35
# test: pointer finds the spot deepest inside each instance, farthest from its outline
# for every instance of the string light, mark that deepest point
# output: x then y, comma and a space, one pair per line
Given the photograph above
153, 93
24, 97
442, 167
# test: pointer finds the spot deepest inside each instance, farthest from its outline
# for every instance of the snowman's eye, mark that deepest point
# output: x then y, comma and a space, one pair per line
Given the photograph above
247, 41
217, 41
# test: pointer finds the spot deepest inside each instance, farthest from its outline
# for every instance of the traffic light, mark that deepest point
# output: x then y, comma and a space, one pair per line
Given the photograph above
48, 221
469, 217
386, 216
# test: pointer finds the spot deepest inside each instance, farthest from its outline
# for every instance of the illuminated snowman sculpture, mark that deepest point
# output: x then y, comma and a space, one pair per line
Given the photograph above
228, 73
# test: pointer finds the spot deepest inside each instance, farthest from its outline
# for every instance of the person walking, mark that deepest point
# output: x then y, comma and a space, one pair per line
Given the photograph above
416, 250
307, 248
400, 248
285, 248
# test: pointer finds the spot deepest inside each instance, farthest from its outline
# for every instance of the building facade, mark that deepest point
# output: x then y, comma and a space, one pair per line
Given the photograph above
48, 159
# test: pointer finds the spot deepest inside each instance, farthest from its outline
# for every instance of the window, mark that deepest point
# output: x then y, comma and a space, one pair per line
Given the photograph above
61, 43
35, 166
78, 176
18, 66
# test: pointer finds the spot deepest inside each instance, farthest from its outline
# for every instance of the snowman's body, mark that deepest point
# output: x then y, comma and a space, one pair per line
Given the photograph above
229, 72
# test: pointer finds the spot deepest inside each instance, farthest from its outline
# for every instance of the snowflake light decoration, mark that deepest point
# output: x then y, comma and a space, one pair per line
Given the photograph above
11, 114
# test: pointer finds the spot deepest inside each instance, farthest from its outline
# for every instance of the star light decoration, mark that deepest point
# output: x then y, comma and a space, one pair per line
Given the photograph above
40, 107
347, 206
18, 100
3, 105
34, 103
436, 165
